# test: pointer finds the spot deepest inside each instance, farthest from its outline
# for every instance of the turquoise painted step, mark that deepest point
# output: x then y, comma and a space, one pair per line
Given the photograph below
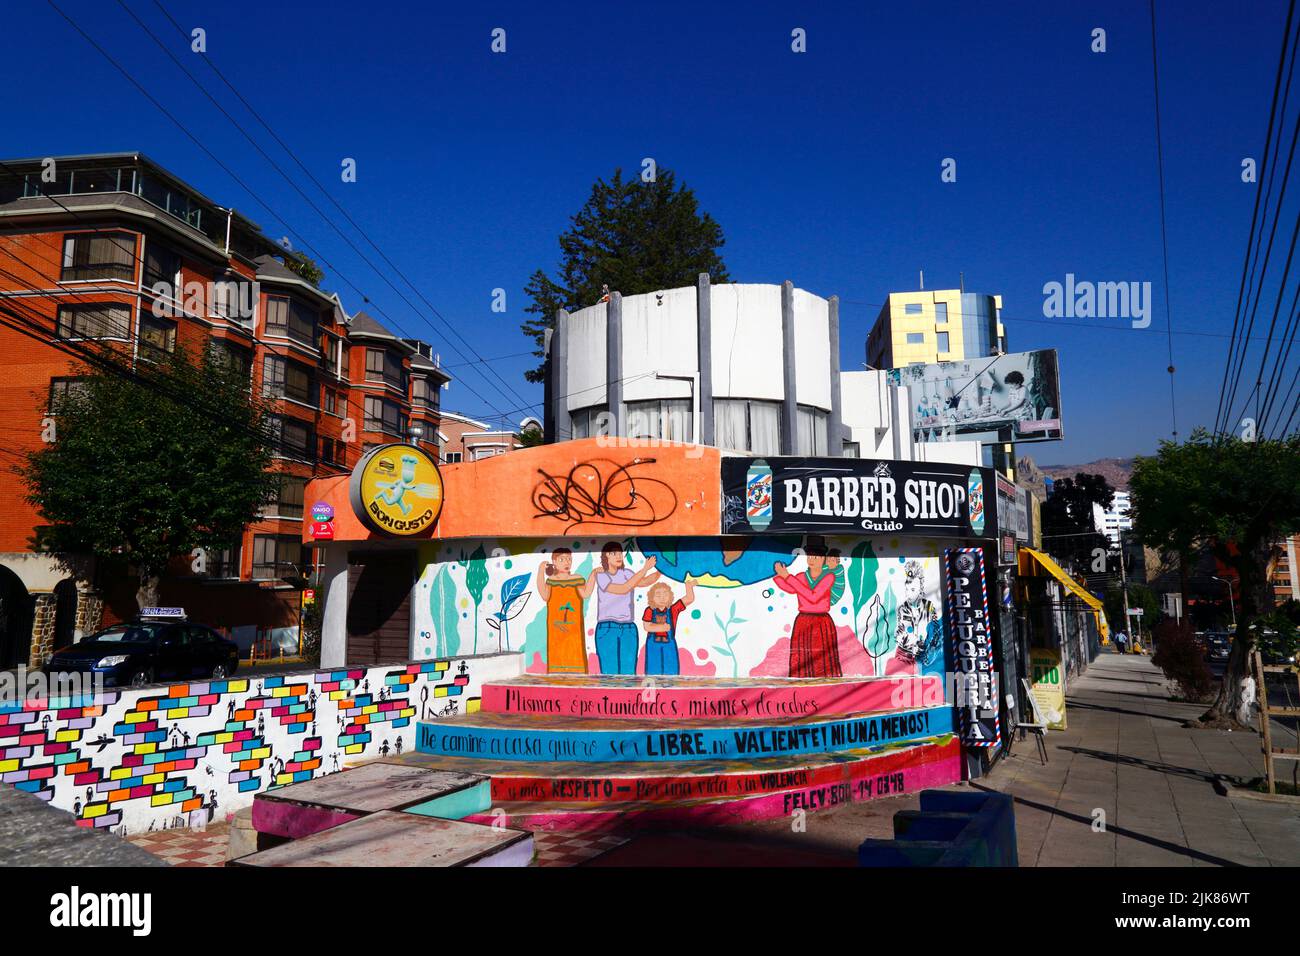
458, 805
507, 736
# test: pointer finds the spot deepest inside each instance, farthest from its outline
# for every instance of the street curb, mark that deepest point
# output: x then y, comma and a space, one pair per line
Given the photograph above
1239, 793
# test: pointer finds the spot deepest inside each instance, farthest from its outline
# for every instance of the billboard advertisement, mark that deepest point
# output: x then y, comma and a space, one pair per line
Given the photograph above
1004, 398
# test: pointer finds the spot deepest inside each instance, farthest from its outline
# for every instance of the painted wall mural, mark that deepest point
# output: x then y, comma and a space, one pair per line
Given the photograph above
753, 606
181, 754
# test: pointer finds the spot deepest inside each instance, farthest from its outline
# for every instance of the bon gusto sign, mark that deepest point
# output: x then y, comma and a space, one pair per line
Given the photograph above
855, 496
970, 630
397, 490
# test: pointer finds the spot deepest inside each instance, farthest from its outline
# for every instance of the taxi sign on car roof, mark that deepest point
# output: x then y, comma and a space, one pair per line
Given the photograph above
162, 612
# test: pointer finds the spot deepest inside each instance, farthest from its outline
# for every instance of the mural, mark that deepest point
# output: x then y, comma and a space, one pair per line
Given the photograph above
760, 606
183, 754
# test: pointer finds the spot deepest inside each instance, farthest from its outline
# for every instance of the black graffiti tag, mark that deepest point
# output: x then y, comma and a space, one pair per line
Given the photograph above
604, 493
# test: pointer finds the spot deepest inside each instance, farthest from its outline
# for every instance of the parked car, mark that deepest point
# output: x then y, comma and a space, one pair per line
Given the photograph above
1217, 647
146, 651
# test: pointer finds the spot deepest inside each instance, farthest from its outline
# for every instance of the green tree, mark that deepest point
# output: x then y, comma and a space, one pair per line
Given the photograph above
1237, 498
304, 267
148, 466
1069, 532
632, 236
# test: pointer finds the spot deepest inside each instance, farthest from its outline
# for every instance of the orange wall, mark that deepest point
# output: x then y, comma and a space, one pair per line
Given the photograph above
555, 490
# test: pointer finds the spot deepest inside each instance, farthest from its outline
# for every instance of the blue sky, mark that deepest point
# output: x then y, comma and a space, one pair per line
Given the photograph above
821, 167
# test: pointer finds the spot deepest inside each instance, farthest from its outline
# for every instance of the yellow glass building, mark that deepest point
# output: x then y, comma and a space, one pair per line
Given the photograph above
940, 325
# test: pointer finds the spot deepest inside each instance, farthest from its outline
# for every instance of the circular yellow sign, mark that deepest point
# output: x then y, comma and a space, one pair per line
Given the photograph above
397, 490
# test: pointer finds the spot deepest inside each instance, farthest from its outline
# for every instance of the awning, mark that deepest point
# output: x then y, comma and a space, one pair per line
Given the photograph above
1028, 556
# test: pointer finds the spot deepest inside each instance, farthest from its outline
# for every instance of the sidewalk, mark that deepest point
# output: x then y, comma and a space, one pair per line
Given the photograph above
1163, 788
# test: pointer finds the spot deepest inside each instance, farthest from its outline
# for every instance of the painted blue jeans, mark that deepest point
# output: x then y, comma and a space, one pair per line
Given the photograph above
660, 656
616, 644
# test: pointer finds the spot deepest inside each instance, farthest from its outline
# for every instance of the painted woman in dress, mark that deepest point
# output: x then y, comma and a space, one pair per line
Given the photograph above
814, 644
565, 594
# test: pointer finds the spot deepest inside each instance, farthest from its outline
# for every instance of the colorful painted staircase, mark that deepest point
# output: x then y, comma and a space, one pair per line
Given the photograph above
575, 753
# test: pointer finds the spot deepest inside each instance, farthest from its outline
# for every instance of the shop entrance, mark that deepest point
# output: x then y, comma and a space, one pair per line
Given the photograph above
379, 606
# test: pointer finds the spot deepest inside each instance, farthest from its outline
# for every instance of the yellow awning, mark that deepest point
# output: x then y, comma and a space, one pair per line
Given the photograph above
1056, 571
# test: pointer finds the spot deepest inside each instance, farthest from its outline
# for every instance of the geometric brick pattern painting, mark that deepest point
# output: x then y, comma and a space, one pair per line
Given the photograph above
186, 754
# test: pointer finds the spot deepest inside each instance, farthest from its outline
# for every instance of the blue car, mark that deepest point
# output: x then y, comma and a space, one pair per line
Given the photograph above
146, 652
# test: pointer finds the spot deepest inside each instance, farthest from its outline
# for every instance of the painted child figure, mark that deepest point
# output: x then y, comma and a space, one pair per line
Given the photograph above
660, 619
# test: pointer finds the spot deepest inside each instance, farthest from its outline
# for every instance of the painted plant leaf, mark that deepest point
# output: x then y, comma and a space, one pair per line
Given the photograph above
442, 608
862, 575
510, 592
882, 639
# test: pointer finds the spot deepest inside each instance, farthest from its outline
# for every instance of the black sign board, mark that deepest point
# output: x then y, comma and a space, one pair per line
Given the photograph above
856, 496
970, 633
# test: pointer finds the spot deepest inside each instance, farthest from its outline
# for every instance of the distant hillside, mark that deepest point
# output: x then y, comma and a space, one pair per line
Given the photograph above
1114, 470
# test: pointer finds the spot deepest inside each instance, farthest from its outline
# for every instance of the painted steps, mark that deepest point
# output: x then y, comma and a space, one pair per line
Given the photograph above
587, 740
703, 698
583, 796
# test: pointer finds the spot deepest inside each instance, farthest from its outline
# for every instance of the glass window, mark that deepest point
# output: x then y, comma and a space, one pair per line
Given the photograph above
162, 265
813, 425
60, 387
912, 308
662, 419
273, 371
941, 313
915, 338
452, 457
587, 422
290, 318
229, 353
384, 416
747, 425
102, 255
157, 334
289, 502
223, 562
384, 366
294, 438
852, 449
423, 392
278, 556
942, 338
103, 321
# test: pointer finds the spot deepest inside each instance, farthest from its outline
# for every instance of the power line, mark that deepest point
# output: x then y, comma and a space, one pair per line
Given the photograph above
202, 146
193, 79
1164, 242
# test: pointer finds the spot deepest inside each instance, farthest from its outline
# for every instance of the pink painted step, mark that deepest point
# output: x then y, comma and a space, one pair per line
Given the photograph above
703, 698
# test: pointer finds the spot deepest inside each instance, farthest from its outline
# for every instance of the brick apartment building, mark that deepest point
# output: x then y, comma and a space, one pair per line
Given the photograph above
86, 243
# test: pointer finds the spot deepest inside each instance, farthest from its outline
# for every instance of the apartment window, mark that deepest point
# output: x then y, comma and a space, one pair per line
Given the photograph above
295, 439
157, 335
748, 425
812, 426
852, 449
97, 321
384, 416
941, 313
452, 458
290, 318
236, 357
289, 502
278, 556
384, 366
588, 422
62, 387
942, 338
915, 338
912, 308
282, 378
331, 451
101, 255
334, 357
233, 299
668, 419
223, 562
330, 400
423, 392
162, 265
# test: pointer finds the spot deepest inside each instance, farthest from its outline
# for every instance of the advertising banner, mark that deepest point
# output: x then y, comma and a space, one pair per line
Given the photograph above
1048, 688
856, 496
1004, 398
971, 635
